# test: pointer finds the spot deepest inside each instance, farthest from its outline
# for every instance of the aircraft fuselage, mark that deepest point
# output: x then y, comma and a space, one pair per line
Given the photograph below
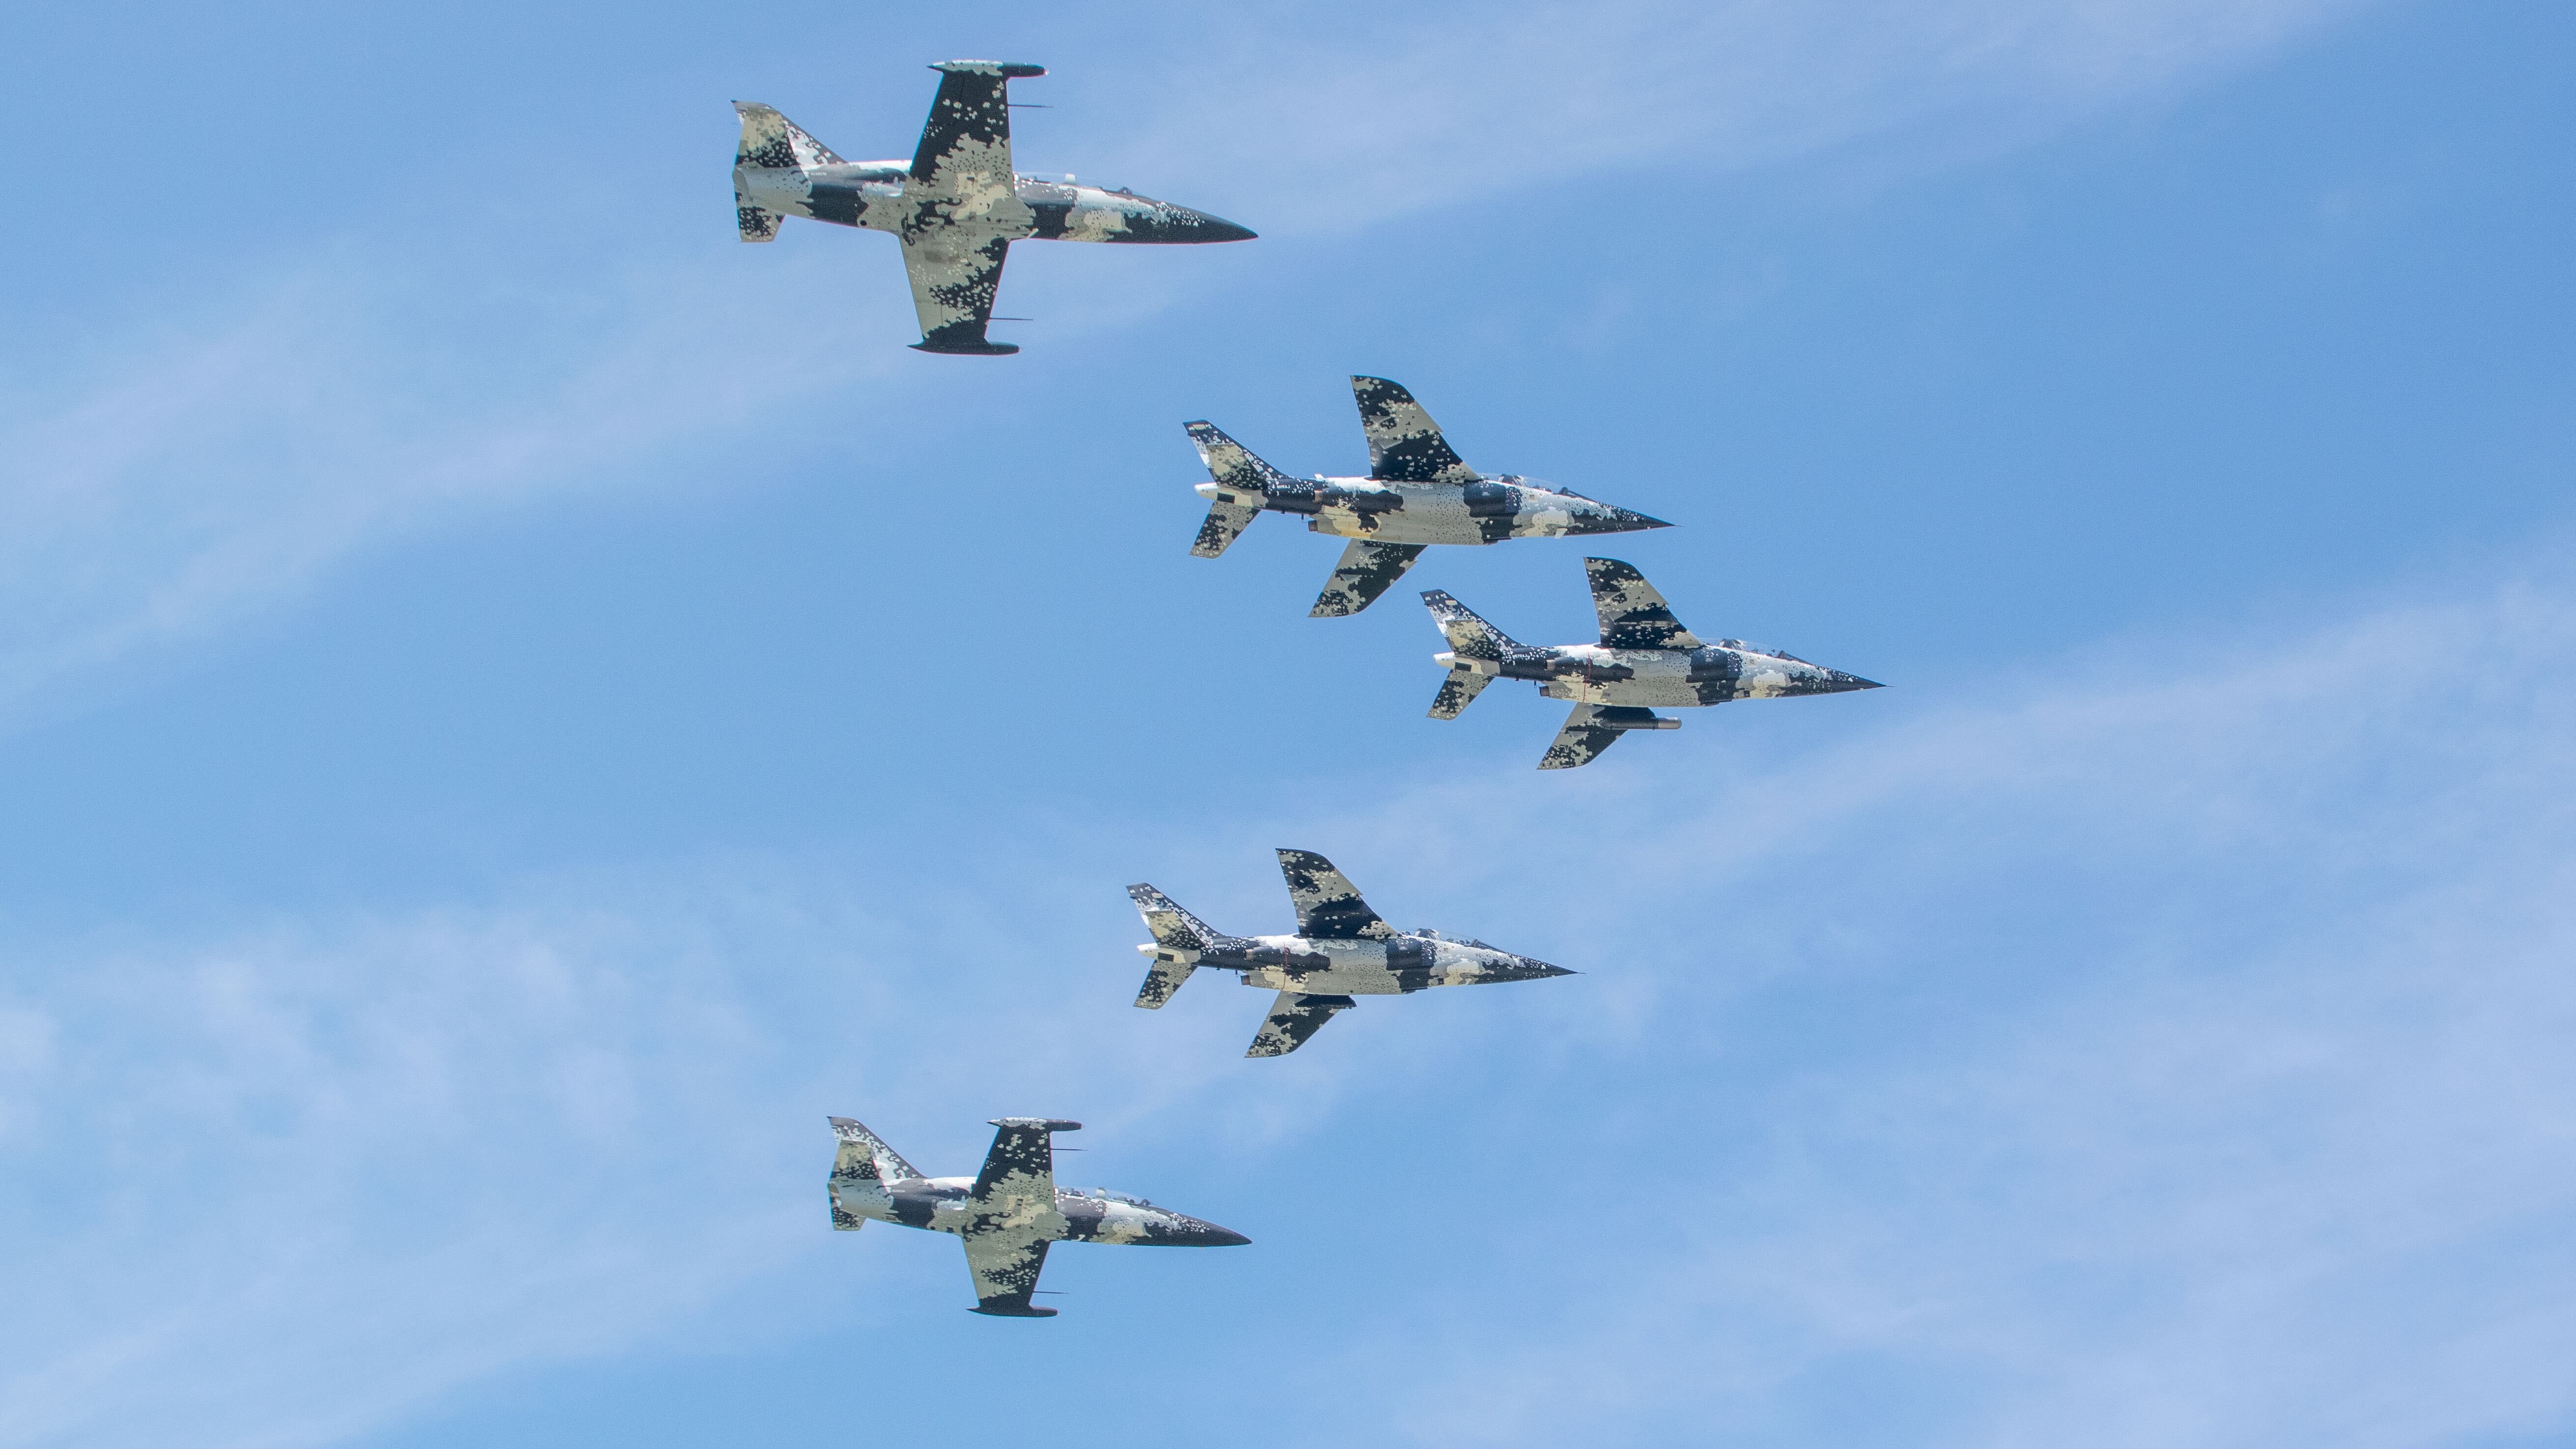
1488, 510
1711, 674
1393, 966
881, 196
1090, 1215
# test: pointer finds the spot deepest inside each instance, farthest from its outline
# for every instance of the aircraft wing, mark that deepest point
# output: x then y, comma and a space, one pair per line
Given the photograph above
1295, 1016
1366, 570
955, 272
1593, 728
1015, 1215
1633, 615
1019, 1172
1005, 1267
965, 154
1329, 907
1405, 446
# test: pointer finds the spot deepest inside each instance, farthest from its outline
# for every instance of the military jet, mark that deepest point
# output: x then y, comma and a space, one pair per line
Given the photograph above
957, 204
1340, 950
1417, 494
1006, 1214
1645, 657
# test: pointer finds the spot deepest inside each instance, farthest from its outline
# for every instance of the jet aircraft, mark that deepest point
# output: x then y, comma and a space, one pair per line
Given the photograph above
1645, 657
957, 204
1340, 950
1007, 1214
1417, 494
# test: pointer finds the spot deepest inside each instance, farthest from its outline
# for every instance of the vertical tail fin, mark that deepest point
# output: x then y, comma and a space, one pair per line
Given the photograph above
1476, 649
1233, 466
1179, 937
860, 1171
770, 142
1457, 692
1239, 483
1470, 637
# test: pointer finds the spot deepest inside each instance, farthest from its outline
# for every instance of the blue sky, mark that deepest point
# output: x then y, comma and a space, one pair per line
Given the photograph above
515, 706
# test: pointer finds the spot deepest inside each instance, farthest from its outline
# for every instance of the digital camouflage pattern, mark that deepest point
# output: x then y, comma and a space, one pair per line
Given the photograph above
957, 205
1341, 949
1418, 493
1645, 658
1006, 1214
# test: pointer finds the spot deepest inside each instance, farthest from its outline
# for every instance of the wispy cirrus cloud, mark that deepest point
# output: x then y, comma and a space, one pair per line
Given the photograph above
1382, 114
2162, 1057
304, 1180
2197, 1075
210, 458
212, 463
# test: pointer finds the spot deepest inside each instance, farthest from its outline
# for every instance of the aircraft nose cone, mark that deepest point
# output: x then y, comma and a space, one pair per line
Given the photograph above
1616, 520
1161, 222
1218, 229
1189, 1232
1530, 968
1837, 682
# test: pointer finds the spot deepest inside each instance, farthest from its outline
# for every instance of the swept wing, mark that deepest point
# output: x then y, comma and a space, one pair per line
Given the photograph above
1294, 1016
1633, 615
1329, 907
1365, 571
1405, 446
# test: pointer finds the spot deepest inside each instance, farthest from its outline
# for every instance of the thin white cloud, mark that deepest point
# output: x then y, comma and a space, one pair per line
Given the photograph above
2180, 1059
219, 461
1369, 116
2225, 1104
207, 463
305, 1180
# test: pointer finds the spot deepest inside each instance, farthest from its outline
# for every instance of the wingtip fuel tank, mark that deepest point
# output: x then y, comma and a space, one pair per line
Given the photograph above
956, 205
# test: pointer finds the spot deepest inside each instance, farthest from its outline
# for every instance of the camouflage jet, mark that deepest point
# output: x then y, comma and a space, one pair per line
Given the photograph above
957, 204
1645, 657
1340, 950
1417, 494
1006, 1214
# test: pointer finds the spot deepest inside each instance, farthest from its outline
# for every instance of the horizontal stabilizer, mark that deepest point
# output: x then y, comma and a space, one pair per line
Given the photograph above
1162, 980
1225, 523
756, 225
1294, 1017
1457, 692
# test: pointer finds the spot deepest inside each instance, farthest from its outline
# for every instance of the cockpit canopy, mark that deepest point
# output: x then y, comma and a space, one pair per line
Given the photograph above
1749, 647
1428, 934
1104, 1195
